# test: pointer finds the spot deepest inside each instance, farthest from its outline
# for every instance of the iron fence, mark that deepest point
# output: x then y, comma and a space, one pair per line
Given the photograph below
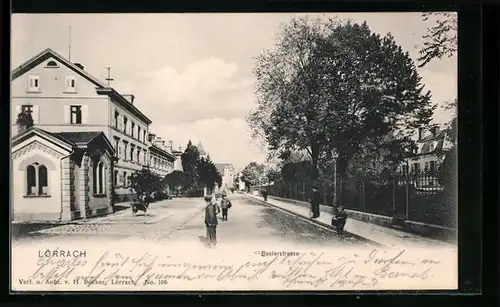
416, 197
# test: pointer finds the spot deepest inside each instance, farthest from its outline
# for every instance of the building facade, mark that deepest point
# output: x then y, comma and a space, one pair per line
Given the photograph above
426, 159
161, 159
61, 176
227, 172
62, 97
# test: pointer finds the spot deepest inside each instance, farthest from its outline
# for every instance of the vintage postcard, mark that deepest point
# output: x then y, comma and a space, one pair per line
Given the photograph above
202, 152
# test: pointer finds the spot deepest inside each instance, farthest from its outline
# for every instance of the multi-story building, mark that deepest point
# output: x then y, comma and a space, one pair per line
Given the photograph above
227, 172
161, 159
62, 97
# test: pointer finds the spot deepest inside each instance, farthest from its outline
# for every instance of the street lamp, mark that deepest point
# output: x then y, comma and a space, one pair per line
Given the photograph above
334, 156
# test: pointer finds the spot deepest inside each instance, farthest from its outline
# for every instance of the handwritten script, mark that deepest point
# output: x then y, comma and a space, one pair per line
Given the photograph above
305, 270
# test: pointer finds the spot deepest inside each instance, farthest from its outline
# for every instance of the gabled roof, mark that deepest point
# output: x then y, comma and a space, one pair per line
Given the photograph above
33, 131
45, 55
84, 138
102, 88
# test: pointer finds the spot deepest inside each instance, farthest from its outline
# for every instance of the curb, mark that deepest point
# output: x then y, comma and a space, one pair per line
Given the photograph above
317, 222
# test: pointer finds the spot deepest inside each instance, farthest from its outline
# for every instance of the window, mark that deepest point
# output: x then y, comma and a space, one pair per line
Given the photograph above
125, 179
33, 83
138, 156
139, 133
36, 180
426, 166
144, 136
115, 179
70, 86
27, 108
76, 114
99, 177
52, 64
131, 154
133, 129
125, 123
432, 166
125, 147
117, 115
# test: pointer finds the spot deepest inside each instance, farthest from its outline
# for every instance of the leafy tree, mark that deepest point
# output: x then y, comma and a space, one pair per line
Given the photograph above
208, 174
175, 180
24, 121
298, 171
145, 182
331, 88
441, 38
254, 174
190, 159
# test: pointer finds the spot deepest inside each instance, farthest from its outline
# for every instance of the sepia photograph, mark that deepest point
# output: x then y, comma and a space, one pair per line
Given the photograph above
234, 152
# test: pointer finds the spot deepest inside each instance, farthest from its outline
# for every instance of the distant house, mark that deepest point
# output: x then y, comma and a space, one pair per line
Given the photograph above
432, 144
61, 176
227, 172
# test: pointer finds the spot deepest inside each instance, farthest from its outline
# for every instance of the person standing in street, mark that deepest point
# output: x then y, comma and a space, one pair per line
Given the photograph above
225, 205
315, 201
211, 211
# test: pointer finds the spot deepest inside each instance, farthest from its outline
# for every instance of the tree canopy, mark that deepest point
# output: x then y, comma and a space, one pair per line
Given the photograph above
175, 179
332, 87
24, 120
441, 38
190, 159
254, 174
145, 182
208, 175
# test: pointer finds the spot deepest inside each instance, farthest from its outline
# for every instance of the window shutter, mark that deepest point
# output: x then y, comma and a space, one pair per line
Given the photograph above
67, 83
85, 114
67, 114
35, 114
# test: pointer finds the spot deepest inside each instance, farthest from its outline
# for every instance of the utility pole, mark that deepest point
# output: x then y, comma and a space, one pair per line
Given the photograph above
109, 79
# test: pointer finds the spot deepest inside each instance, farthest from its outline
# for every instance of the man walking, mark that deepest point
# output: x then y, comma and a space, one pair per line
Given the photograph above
315, 201
225, 204
211, 211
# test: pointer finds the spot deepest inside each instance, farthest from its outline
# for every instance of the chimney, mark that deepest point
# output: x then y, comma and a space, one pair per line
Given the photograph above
170, 146
420, 130
78, 65
151, 137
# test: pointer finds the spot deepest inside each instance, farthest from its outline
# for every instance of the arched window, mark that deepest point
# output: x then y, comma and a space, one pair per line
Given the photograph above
94, 177
51, 64
99, 177
31, 180
37, 181
42, 180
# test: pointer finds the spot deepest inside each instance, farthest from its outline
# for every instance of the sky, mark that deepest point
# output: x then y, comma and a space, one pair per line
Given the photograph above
192, 73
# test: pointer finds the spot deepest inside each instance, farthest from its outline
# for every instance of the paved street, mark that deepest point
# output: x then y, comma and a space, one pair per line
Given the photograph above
182, 220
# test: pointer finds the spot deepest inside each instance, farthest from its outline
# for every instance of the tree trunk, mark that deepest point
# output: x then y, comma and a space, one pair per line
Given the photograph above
315, 157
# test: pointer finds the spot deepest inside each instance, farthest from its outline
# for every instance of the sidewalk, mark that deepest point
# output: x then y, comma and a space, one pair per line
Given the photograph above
382, 235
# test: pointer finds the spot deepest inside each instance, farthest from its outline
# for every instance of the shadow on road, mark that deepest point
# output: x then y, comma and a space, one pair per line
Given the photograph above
204, 241
118, 208
29, 229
